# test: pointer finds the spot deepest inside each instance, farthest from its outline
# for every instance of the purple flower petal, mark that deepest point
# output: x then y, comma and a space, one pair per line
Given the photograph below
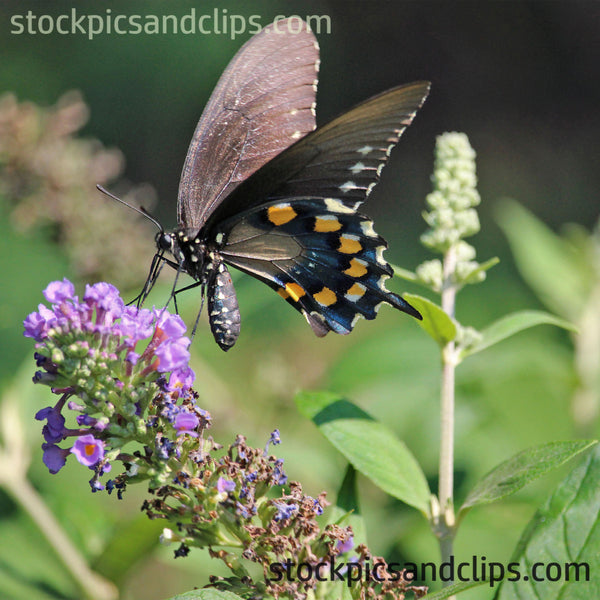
181, 379
284, 511
186, 422
346, 546
37, 323
172, 325
54, 430
35, 326
274, 439
88, 450
132, 357
54, 457
173, 354
105, 296
225, 485
136, 325
58, 291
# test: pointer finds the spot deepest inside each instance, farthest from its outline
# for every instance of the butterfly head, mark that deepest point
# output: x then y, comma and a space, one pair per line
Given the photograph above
189, 251
164, 241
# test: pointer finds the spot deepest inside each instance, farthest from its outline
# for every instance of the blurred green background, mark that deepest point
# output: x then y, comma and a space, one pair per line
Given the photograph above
519, 78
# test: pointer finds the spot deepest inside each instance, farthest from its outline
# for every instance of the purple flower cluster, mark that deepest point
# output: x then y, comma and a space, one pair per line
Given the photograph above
114, 359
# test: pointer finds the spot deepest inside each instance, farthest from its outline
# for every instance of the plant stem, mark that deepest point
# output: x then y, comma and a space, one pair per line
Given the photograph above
92, 585
585, 404
445, 526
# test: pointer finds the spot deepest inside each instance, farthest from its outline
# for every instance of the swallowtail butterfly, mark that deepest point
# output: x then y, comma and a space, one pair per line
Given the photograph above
262, 192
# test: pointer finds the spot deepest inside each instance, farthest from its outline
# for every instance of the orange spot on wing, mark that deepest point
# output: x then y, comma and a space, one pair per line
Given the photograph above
326, 297
324, 225
356, 269
357, 290
280, 214
295, 291
349, 245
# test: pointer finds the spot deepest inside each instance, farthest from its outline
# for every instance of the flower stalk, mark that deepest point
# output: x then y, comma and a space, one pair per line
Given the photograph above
451, 218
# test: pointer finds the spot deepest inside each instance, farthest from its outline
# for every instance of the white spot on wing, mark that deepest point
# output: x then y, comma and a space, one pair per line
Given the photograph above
357, 316
365, 150
356, 297
357, 168
346, 187
367, 228
337, 206
370, 189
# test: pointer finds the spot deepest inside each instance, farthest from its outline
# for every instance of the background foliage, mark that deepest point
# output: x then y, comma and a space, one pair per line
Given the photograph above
518, 77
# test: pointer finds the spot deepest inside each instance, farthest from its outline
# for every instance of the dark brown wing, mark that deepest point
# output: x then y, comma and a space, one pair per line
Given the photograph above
341, 160
263, 103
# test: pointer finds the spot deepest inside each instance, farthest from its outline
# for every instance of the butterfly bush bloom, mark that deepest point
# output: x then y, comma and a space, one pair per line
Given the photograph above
121, 363
121, 375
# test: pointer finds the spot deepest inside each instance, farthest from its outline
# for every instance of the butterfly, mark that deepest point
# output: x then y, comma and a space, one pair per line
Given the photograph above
265, 192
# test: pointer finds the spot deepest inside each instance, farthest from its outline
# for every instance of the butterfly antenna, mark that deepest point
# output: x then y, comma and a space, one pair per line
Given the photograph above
157, 261
142, 211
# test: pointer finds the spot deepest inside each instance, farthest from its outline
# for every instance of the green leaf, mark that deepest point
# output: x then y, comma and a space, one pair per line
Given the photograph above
482, 268
511, 324
130, 540
206, 594
516, 472
453, 589
347, 510
435, 321
549, 264
347, 498
565, 530
370, 447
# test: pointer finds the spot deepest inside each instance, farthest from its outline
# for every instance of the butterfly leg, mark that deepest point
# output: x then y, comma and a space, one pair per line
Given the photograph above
189, 287
155, 269
184, 289
158, 262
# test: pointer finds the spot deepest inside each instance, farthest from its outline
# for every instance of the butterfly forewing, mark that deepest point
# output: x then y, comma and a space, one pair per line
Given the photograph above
263, 103
342, 159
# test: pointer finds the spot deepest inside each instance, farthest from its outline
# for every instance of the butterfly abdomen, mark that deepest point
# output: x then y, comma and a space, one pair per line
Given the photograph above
223, 309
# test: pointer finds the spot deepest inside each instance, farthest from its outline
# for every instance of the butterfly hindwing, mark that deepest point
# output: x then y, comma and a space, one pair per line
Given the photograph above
323, 258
